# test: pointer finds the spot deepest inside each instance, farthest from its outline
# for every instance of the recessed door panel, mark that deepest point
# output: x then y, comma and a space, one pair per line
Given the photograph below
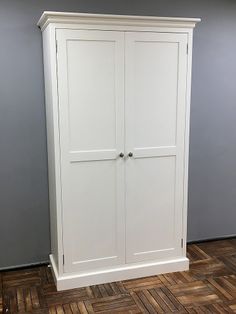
91, 107
93, 212
151, 207
155, 81
91, 90
155, 72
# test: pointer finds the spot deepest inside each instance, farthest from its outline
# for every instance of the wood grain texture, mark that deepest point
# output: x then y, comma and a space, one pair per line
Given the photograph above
209, 287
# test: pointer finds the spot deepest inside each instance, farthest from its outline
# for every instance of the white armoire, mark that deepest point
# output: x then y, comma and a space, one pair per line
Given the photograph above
117, 108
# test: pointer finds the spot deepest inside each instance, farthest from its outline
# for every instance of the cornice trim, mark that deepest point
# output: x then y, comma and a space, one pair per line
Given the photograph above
49, 17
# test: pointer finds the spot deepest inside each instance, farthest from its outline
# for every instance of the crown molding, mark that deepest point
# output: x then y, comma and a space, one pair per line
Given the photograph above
49, 17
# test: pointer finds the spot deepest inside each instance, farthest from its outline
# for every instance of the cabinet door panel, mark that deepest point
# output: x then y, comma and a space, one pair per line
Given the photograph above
150, 216
156, 67
91, 111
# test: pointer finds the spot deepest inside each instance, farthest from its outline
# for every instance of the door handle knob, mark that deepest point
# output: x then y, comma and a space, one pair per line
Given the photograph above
121, 155
130, 154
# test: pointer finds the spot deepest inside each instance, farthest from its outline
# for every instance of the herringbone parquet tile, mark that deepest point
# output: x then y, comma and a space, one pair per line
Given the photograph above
208, 287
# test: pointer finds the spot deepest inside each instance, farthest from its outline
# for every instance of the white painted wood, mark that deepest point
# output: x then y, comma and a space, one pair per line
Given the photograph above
187, 127
49, 17
117, 273
53, 146
117, 84
156, 70
91, 105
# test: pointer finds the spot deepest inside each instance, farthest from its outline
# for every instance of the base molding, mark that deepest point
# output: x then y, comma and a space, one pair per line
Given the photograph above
219, 238
129, 271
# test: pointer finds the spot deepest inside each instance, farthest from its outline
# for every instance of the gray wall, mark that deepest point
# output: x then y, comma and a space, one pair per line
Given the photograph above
24, 217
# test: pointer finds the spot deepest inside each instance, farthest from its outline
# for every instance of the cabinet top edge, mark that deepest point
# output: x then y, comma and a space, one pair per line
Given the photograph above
49, 17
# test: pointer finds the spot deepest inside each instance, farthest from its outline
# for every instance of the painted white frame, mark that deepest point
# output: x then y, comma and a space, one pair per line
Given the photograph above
177, 150
49, 23
69, 156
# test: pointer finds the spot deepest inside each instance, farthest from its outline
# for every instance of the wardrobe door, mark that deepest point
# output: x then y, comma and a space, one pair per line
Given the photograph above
91, 118
156, 67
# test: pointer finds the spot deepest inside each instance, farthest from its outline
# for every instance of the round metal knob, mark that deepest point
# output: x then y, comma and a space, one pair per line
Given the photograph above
121, 155
130, 154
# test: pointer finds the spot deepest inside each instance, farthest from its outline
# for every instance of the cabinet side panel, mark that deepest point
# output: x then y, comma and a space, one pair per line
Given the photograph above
53, 147
187, 134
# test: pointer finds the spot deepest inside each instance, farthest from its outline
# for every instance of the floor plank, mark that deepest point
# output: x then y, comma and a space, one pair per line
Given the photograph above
1, 294
208, 287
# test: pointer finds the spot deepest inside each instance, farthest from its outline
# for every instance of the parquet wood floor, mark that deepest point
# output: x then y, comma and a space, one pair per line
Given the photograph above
209, 287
